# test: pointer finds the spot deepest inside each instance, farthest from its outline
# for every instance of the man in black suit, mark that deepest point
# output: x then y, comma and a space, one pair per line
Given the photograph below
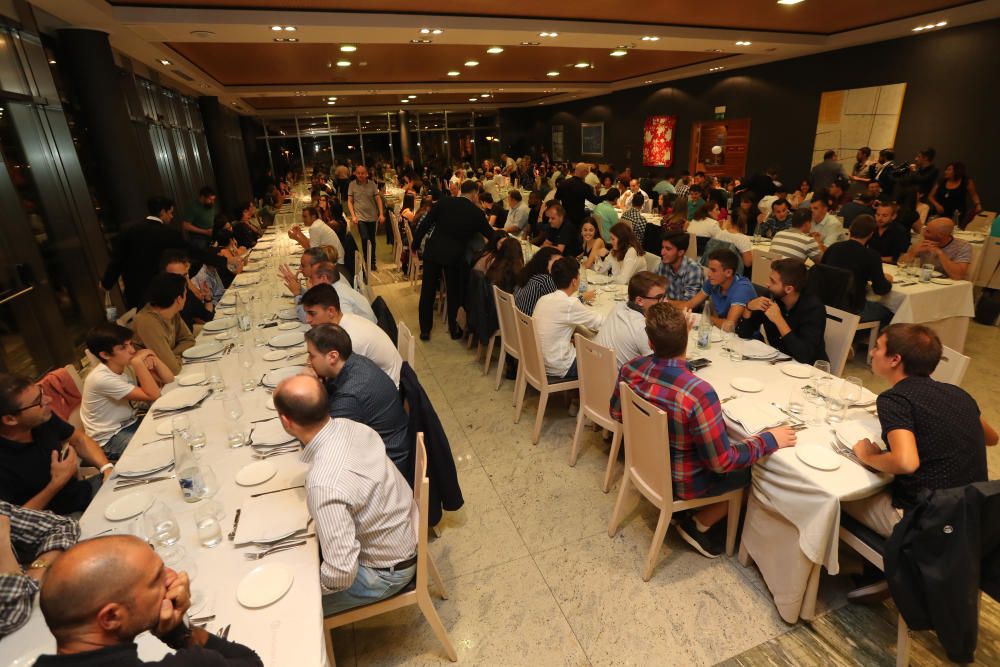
574, 191
136, 252
451, 224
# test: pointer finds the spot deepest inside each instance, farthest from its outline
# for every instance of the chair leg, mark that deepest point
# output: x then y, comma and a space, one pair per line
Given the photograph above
616, 513
430, 613
574, 451
654, 549
518, 378
902, 643
489, 355
733, 523
543, 400
520, 389
328, 636
500, 362
616, 443
436, 578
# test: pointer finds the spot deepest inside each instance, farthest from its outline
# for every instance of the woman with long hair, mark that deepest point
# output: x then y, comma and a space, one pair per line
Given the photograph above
734, 231
677, 219
800, 194
534, 280
705, 221
507, 264
626, 257
593, 245
950, 195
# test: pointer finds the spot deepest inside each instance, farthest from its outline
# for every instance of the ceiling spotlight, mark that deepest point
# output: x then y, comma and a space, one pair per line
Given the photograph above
473, 99
436, 31
743, 43
715, 69
289, 28
552, 73
453, 73
650, 38
581, 65
405, 101
548, 34
332, 99
412, 97
276, 28
485, 95
789, 2
471, 63
648, 81
495, 49
420, 41
348, 48
343, 63
618, 53
940, 24
530, 43
165, 63
425, 31
286, 39
52, 62
930, 26
330, 102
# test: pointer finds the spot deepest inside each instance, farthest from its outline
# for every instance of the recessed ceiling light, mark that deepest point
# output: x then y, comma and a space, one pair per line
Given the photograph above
276, 28
548, 34
530, 43
552, 73
343, 63
286, 39
471, 63
412, 97
648, 81
436, 31
52, 62
332, 99
425, 31
650, 38
581, 65
495, 49
618, 53
330, 102
940, 24
473, 99
289, 28
348, 48
715, 69
789, 2
165, 63
405, 101
453, 73
743, 43
420, 41
485, 95
930, 26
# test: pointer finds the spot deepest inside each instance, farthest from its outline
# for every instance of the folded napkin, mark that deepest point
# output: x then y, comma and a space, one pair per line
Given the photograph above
851, 431
272, 516
757, 349
753, 414
270, 433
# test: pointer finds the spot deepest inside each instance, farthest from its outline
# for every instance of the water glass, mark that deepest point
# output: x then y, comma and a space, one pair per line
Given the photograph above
248, 380
180, 424
196, 433
851, 390
176, 558
736, 348
796, 402
233, 410
215, 379
926, 271
836, 408
161, 525
727, 337
209, 530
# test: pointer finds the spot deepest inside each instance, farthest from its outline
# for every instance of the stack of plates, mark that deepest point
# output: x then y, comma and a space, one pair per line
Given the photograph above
753, 415
219, 324
180, 399
756, 349
271, 380
143, 461
228, 299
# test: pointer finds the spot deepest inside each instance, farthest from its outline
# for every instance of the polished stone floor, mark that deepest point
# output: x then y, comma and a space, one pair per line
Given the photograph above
534, 578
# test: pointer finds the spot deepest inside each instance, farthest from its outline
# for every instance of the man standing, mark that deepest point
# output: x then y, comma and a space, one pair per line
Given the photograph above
574, 191
826, 172
359, 500
729, 293
367, 211
449, 226
853, 255
940, 247
199, 218
703, 461
891, 239
923, 174
557, 315
624, 329
606, 214
793, 321
159, 325
320, 233
684, 275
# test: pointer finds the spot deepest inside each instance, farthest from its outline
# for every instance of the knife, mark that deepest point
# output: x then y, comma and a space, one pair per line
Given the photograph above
138, 482
236, 522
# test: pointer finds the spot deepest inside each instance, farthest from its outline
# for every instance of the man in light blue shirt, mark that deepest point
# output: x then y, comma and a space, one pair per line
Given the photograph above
665, 186
606, 214
729, 293
517, 216
826, 227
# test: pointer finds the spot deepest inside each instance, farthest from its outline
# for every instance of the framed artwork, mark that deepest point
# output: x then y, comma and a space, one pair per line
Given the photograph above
850, 119
658, 141
592, 138
558, 143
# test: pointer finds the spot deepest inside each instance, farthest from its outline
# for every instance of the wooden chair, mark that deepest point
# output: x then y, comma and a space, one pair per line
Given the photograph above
647, 466
531, 370
508, 335
760, 270
839, 336
397, 241
362, 276
598, 372
692, 251
415, 264
420, 594
952, 367
489, 349
652, 261
406, 344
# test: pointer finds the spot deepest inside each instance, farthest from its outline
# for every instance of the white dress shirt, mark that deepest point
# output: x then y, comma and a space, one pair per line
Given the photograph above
320, 234
352, 301
557, 315
517, 215
624, 331
368, 340
360, 502
830, 229
621, 272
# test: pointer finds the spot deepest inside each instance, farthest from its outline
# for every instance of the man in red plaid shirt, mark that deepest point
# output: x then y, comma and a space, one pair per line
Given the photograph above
703, 461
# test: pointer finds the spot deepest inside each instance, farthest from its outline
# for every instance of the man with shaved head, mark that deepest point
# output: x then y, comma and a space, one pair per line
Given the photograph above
100, 594
574, 191
939, 247
360, 502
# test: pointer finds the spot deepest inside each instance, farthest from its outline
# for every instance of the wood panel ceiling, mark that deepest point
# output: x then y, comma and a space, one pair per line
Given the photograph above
811, 16
354, 101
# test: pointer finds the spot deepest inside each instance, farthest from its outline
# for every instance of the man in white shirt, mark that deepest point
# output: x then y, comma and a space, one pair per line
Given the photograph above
123, 378
361, 504
592, 179
353, 301
321, 304
557, 315
624, 329
626, 199
320, 233
517, 216
827, 228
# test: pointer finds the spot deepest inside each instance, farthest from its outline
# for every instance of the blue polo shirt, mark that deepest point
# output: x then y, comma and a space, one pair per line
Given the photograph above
739, 293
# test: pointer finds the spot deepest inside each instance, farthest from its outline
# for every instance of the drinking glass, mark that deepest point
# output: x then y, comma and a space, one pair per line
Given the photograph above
196, 433
161, 525
181, 424
836, 408
215, 379
176, 558
851, 390
902, 268
820, 369
233, 410
796, 401
926, 272
728, 332
246, 360
209, 530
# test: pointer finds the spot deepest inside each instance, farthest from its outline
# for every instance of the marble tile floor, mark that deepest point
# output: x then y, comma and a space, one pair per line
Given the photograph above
534, 578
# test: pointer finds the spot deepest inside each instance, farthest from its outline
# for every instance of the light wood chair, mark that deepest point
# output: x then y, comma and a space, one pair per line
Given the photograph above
397, 241
405, 344
415, 265
598, 372
652, 261
647, 466
126, 319
489, 350
838, 337
362, 276
420, 595
760, 270
692, 251
531, 370
508, 335
952, 367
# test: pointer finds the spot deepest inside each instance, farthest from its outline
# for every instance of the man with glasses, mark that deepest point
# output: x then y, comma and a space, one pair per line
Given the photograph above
624, 329
39, 452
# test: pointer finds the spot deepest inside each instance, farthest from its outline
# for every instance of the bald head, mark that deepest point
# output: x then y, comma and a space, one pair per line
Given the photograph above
582, 169
939, 230
301, 402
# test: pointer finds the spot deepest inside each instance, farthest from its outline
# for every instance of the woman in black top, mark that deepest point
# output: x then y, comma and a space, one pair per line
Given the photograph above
951, 194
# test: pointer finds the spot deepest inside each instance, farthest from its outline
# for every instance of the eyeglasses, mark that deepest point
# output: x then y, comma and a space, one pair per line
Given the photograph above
37, 403
655, 297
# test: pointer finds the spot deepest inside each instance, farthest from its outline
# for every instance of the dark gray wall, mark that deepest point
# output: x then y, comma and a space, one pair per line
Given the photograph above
951, 103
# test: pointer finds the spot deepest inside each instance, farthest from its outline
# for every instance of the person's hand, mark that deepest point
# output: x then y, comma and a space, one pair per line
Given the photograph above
784, 435
761, 303
142, 355
691, 318
175, 603
63, 471
772, 312
381, 219
866, 448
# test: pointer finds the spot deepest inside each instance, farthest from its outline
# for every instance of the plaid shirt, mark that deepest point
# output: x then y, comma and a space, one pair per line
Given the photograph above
700, 450
31, 533
682, 285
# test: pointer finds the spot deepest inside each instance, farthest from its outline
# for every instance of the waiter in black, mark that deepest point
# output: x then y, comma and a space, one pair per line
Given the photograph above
574, 191
449, 227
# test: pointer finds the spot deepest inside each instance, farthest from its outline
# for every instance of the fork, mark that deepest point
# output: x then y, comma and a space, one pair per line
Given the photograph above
728, 398
273, 550
277, 452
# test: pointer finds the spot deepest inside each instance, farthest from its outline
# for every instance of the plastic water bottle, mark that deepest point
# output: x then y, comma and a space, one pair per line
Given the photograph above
705, 327
186, 467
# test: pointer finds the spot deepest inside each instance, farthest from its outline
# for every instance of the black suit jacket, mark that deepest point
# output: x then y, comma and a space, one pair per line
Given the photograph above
455, 221
572, 194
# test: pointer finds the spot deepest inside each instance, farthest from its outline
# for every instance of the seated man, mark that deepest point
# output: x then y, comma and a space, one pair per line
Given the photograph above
939, 247
103, 592
729, 293
779, 220
40, 453
360, 502
322, 306
890, 239
198, 305
797, 241
793, 321
320, 233
318, 268
684, 275
36, 538
624, 329
826, 227
159, 326
863, 204
123, 377
557, 315
562, 234
703, 461
853, 255
517, 215
358, 390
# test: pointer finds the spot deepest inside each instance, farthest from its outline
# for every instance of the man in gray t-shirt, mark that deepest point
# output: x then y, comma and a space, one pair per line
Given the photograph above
366, 210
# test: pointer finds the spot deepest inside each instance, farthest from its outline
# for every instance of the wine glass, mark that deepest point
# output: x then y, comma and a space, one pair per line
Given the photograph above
215, 379
233, 410
820, 369
246, 360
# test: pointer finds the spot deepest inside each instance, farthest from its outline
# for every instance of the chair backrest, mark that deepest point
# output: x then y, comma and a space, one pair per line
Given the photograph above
418, 511
981, 222
126, 319
835, 287
700, 242
647, 446
760, 270
952, 367
531, 355
397, 246
692, 250
598, 371
505, 314
838, 336
715, 244
652, 261
405, 343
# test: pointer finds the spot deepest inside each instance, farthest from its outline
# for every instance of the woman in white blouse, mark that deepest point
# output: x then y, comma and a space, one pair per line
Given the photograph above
593, 244
734, 231
706, 220
626, 257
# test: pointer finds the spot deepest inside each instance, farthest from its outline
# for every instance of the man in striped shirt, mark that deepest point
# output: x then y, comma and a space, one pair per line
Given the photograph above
797, 242
361, 504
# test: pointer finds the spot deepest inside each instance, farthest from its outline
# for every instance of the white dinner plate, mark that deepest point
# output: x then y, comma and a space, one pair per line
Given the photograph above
756, 349
288, 326
165, 428
190, 379
252, 266
182, 397
288, 314
942, 281
256, 473
262, 246
128, 506
278, 355
276, 376
821, 458
264, 585
290, 339
226, 335
203, 350
228, 299
801, 371
219, 324
747, 384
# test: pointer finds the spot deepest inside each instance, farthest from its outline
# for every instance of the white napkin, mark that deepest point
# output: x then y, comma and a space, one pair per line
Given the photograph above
270, 433
753, 414
180, 397
851, 431
757, 349
273, 515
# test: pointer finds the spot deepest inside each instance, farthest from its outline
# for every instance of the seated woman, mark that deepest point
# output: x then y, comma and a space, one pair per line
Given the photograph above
245, 233
235, 256
705, 222
626, 257
676, 220
734, 231
594, 249
507, 264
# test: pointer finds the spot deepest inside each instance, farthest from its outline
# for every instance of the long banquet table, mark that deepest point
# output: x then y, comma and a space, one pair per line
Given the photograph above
287, 632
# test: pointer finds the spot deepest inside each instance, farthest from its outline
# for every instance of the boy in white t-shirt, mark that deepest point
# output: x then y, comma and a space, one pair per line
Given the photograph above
112, 388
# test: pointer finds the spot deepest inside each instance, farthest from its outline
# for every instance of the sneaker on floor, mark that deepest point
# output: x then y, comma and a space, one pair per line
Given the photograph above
574, 409
703, 543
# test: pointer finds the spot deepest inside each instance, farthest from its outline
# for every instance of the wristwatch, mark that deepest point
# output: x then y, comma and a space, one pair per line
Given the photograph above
38, 564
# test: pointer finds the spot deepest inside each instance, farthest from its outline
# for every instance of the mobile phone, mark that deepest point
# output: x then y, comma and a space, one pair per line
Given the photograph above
695, 364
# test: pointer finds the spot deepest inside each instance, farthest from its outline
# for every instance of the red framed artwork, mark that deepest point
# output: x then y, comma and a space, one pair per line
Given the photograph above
658, 141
